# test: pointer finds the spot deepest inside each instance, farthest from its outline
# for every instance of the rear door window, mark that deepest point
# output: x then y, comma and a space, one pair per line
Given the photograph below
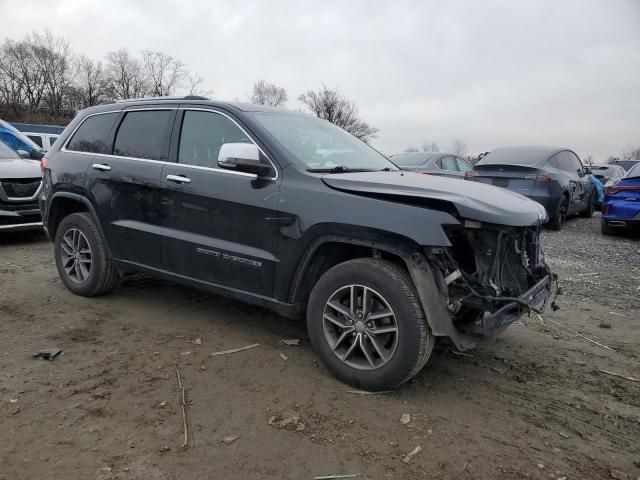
564, 162
144, 134
449, 163
553, 162
92, 135
202, 135
576, 164
463, 165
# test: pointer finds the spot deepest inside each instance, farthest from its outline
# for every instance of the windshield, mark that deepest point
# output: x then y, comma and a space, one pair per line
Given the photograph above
6, 152
411, 159
320, 145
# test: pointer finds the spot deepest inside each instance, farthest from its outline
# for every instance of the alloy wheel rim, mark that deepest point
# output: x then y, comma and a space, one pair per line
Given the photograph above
360, 327
76, 255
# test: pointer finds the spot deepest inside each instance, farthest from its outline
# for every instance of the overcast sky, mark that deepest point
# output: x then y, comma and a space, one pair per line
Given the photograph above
556, 72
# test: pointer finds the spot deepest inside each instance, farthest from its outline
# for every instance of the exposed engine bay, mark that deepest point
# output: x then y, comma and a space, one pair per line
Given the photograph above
495, 274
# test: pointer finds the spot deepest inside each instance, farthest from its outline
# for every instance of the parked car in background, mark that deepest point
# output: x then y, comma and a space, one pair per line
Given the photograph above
20, 187
553, 177
290, 212
626, 164
621, 207
19, 142
42, 135
608, 173
444, 164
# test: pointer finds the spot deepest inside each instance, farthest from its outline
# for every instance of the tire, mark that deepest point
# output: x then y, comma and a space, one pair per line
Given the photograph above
559, 216
397, 356
95, 277
606, 229
588, 213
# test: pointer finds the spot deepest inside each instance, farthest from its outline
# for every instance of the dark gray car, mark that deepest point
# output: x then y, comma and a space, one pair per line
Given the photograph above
20, 186
553, 177
439, 163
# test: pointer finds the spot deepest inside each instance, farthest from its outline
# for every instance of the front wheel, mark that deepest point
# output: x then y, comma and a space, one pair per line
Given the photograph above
367, 326
588, 212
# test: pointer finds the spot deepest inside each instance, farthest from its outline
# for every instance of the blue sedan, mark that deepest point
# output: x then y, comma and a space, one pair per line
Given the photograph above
621, 207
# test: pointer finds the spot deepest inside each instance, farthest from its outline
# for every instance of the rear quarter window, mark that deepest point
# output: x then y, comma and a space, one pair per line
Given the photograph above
92, 135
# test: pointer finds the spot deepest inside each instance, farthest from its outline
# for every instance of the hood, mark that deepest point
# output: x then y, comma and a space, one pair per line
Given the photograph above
472, 200
19, 168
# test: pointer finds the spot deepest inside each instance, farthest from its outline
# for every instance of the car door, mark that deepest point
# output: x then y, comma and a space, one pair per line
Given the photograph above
583, 184
125, 185
220, 226
565, 164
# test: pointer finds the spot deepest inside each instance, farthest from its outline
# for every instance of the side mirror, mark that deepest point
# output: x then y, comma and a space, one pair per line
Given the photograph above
587, 171
36, 154
243, 157
23, 153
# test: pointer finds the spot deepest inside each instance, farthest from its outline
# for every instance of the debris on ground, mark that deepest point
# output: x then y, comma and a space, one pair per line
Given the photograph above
234, 350
291, 342
195, 341
614, 374
412, 454
604, 324
183, 407
618, 475
284, 357
336, 476
47, 353
564, 434
405, 418
229, 439
290, 423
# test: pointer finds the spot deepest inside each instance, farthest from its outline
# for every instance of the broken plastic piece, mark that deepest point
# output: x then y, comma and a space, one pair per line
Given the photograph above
47, 353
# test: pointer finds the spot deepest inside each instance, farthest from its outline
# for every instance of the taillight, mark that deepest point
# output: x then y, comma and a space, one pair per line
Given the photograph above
469, 174
424, 173
538, 177
613, 189
43, 164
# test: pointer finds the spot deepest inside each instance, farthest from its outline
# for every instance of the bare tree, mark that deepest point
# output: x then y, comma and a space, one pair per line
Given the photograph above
430, 147
164, 73
631, 153
20, 58
411, 149
458, 146
11, 88
53, 56
265, 93
331, 105
92, 82
588, 159
125, 75
194, 85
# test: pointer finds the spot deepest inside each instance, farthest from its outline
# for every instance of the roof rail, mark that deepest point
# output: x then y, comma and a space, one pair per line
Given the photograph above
155, 99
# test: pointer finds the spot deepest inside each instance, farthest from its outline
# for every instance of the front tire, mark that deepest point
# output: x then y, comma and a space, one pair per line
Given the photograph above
588, 213
81, 257
367, 325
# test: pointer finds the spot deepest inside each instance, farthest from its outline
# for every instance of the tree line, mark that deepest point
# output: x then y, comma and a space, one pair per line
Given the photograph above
43, 81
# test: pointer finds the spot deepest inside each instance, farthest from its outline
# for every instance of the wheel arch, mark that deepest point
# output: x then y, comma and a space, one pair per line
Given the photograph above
326, 251
63, 204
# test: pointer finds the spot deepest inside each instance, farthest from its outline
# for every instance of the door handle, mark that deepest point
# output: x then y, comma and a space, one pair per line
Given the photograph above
178, 179
101, 166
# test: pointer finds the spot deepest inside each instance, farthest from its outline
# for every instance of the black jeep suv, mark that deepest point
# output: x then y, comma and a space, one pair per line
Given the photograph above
289, 212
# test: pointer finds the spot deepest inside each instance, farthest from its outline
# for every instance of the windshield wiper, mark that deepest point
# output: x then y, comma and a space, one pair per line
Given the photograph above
338, 169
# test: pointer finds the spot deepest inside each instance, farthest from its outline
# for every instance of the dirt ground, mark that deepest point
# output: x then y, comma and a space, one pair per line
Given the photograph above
533, 403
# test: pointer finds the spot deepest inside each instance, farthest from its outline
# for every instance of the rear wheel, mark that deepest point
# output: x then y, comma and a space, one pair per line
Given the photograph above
559, 216
81, 258
605, 228
367, 326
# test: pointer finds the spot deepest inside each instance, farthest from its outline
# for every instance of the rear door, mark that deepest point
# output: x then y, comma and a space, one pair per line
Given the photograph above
221, 226
568, 166
125, 184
